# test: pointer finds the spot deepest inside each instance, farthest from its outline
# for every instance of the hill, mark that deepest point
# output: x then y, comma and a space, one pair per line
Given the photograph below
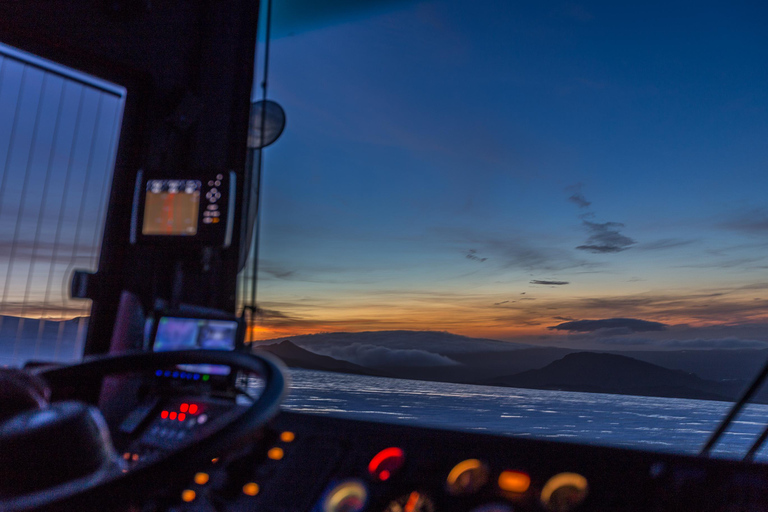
611, 373
297, 357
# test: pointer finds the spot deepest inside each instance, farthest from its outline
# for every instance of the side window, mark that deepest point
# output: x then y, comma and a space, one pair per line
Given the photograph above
59, 131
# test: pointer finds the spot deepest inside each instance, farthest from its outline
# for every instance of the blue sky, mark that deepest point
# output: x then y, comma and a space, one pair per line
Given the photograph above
445, 162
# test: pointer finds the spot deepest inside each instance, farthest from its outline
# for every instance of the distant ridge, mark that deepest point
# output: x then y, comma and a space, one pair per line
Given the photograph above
438, 342
297, 357
611, 373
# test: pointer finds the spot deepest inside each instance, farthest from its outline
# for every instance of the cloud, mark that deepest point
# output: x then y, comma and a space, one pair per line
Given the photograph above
500, 303
277, 272
605, 238
472, 255
550, 283
579, 199
752, 222
615, 325
665, 243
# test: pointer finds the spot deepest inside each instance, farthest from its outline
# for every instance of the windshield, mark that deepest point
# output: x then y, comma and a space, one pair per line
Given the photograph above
564, 201
541, 219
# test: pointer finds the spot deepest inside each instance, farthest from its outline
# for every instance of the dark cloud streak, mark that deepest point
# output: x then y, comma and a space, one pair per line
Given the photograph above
549, 283
605, 238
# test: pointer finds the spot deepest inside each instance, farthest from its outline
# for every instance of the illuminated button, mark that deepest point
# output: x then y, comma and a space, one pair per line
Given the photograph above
215, 460
172, 416
219, 176
251, 489
206, 377
135, 457
563, 492
164, 414
192, 409
215, 220
202, 419
126, 455
182, 416
276, 453
349, 496
467, 477
188, 495
184, 407
287, 436
385, 463
202, 478
206, 220
514, 481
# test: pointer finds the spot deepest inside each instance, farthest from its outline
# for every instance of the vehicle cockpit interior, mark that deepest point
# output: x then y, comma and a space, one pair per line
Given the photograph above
169, 409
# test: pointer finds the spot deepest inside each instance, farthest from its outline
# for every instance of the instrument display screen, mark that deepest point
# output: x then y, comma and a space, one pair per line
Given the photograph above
171, 207
177, 333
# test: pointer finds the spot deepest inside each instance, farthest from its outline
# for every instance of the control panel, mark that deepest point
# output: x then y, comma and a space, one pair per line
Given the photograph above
322, 464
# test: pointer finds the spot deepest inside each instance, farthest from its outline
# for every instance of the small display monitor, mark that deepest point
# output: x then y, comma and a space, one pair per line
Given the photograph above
171, 207
179, 212
184, 333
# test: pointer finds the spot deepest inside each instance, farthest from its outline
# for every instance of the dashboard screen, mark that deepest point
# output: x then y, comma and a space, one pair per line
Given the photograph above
171, 207
176, 333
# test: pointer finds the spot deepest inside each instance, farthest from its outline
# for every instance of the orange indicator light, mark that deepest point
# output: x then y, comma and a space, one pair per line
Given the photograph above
188, 495
201, 478
348, 496
564, 491
182, 416
384, 464
413, 500
514, 481
275, 453
467, 477
192, 409
184, 407
164, 414
251, 489
172, 415
214, 461
135, 457
287, 436
126, 455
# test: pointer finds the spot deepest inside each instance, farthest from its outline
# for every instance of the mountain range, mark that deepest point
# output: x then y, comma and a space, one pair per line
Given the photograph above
715, 374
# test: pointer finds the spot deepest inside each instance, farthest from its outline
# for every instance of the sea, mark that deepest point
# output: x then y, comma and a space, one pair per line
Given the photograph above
673, 425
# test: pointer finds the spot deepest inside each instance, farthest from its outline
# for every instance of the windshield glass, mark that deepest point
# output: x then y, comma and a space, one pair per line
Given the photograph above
564, 201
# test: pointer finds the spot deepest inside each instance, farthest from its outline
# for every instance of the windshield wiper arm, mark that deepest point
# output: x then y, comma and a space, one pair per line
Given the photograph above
745, 398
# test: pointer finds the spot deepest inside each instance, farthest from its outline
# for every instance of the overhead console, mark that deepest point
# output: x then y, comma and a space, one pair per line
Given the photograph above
182, 211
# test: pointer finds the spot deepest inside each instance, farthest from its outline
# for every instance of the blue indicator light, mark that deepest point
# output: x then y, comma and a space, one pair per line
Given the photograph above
167, 374
159, 373
175, 375
183, 375
196, 376
189, 376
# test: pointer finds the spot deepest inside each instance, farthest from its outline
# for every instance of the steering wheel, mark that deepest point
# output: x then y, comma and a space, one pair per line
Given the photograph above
28, 438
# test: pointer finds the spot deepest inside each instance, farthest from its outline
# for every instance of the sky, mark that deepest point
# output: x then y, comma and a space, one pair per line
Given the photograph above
575, 174
508, 170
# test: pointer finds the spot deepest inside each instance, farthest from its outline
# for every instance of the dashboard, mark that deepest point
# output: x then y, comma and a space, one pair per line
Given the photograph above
315, 463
